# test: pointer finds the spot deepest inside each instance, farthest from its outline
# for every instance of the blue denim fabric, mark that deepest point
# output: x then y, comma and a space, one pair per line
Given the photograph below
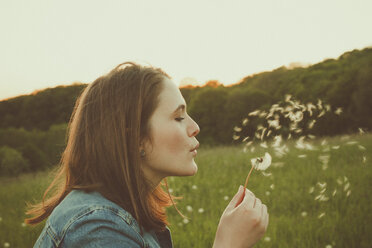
90, 220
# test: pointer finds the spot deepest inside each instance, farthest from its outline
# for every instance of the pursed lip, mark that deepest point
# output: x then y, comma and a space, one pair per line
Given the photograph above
196, 147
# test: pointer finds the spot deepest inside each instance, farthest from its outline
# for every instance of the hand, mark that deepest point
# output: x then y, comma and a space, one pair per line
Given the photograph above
243, 223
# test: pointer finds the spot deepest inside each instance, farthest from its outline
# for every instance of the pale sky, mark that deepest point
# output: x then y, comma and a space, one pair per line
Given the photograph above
45, 43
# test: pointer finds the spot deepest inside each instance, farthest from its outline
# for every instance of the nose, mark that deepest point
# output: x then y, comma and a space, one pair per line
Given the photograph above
193, 128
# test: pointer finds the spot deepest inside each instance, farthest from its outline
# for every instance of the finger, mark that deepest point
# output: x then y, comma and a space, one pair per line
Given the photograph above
265, 216
257, 203
249, 200
236, 200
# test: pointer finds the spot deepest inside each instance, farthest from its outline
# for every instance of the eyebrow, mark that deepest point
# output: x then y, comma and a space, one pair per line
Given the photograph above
180, 107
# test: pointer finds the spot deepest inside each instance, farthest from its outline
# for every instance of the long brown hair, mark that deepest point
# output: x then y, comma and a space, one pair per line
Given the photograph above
109, 121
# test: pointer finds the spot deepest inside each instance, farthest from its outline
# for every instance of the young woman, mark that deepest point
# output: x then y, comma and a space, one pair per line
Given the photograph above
128, 132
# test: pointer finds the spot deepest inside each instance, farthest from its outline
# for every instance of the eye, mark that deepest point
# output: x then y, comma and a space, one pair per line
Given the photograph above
179, 119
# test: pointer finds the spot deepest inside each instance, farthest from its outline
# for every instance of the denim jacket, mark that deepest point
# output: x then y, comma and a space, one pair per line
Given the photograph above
90, 220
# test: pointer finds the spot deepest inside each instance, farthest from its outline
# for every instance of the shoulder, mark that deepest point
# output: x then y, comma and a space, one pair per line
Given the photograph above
89, 218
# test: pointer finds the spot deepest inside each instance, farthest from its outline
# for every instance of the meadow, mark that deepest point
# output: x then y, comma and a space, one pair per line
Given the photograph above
315, 198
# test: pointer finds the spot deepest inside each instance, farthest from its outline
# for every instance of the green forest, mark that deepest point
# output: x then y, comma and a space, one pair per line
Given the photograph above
33, 127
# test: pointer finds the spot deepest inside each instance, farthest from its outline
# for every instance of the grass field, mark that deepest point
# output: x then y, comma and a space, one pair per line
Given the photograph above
310, 204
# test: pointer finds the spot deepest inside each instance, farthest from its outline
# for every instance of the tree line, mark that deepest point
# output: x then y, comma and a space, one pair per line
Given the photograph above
28, 122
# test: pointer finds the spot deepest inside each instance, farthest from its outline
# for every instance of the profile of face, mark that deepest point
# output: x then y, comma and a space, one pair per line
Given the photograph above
172, 149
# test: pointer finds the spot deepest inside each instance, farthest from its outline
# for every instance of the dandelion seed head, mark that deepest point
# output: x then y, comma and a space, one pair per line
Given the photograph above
261, 163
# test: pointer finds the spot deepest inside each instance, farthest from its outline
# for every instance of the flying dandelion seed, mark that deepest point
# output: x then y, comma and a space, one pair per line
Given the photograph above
194, 187
235, 137
272, 186
170, 190
225, 197
321, 114
200, 210
304, 214
322, 185
267, 174
6, 245
364, 159
254, 113
302, 156
348, 193
328, 246
347, 186
267, 193
23, 224
245, 122
237, 129
264, 145
338, 111
245, 139
185, 221
334, 192
361, 131
321, 215
335, 147
339, 181
351, 142
361, 147
189, 208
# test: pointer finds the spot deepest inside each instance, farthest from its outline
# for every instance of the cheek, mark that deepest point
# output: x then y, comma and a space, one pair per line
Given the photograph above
171, 140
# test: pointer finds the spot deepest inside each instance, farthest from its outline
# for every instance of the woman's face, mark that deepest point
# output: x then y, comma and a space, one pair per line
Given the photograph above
171, 151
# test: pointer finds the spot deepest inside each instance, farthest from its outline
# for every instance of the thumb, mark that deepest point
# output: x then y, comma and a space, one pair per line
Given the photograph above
237, 199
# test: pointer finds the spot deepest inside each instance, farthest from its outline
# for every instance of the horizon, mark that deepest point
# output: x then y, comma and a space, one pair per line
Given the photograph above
290, 66
52, 43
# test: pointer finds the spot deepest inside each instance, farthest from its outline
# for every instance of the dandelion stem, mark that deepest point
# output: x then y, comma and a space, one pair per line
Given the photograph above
246, 180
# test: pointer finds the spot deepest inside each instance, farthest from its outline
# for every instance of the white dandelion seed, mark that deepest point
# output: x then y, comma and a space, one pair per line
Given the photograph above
311, 124
257, 135
334, 192
264, 145
185, 221
189, 208
261, 163
235, 137
323, 190
321, 215
254, 113
319, 104
267, 239
6, 244
268, 133
287, 97
345, 179
347, 186
322, 185
321, 114
338, 111
361, 147
225, 197
277, 141
170, 190
273, 123
266, 174
339, 181
245, 122
353, 142
328, 246
335, 147
252, 149
23, 224
237, 129
278, 164
311, 190
310, 136
361, 131
267, 193
263, 133
364, 159
304, 214
327, 107
324, 142
194, 187
245, 139
200, 210
348, 193
249, 143
180, 224
272, 186
302, 156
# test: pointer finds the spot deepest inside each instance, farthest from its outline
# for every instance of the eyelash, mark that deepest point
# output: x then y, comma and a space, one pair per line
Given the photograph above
180, 119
